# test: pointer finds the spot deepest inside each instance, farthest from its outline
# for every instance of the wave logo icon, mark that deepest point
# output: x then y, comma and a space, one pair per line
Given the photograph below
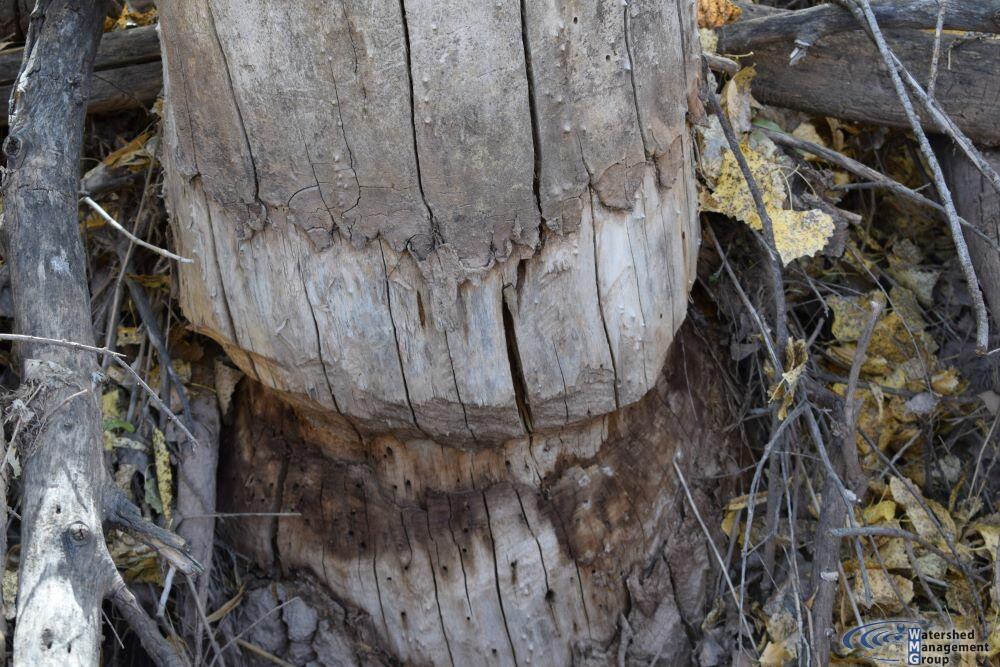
880, 635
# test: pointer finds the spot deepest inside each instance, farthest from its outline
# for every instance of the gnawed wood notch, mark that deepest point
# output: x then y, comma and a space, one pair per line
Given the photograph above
458, 239
367, 197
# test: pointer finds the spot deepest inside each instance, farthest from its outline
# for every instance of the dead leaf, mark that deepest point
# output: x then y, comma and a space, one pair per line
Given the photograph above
796, 233
796, 356
164, 475
924, 525
883, 593
737, 103
717, 13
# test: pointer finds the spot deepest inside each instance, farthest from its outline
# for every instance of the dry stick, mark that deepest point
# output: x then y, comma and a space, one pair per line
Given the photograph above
119, 359
778, 295
148, 318
134, 239
111, 326
888, 531
204, 620
768, 342
770, 248
928, 593
849, 447
162, 651
826, 554
711, 544
64, 479
79, 347
751, 499
948, 126
862, 11
936, 55
877, 178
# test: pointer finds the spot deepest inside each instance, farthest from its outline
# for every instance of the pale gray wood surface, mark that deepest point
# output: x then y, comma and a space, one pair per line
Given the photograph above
357, 184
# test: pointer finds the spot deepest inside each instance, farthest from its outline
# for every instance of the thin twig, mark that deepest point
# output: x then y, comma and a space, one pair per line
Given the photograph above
751, 498
770, 248
888, 531
711, 544
849, 447
80, 347
876, 178
936, 55
862, 11
948, 126
204, 619
134, 239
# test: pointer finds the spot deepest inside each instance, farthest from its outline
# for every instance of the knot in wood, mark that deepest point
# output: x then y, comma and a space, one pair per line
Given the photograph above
79, 532
12, 147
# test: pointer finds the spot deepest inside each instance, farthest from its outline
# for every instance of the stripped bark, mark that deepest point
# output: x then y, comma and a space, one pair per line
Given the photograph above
458, 238
66, 569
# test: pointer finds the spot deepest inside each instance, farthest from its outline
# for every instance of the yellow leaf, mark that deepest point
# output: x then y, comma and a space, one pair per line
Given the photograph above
152, 282
807, 132
775, 654
716, 13
132, 154
731, 196
883, 592
800, 233
164, 475
904, 266
130, 18
796, 357
109, 405
946, 382
737, 102
796, 233
879, 512
923, 524
989, 529
128, 336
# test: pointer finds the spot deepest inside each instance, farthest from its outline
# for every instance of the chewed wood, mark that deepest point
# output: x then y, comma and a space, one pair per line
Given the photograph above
462, 221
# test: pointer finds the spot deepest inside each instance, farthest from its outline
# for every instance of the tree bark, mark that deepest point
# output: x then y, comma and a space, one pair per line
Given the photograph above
66, 570
65, 566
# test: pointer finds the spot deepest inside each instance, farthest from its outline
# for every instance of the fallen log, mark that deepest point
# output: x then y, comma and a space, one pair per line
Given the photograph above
127, 72
839, 72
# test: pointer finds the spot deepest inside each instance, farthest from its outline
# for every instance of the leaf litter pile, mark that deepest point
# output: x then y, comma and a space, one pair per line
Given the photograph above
874, 301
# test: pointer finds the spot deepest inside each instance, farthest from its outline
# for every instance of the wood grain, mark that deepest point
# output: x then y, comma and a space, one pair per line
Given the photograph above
392, 222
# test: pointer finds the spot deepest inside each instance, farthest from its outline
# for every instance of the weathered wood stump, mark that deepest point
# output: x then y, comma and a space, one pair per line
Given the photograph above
457, 239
